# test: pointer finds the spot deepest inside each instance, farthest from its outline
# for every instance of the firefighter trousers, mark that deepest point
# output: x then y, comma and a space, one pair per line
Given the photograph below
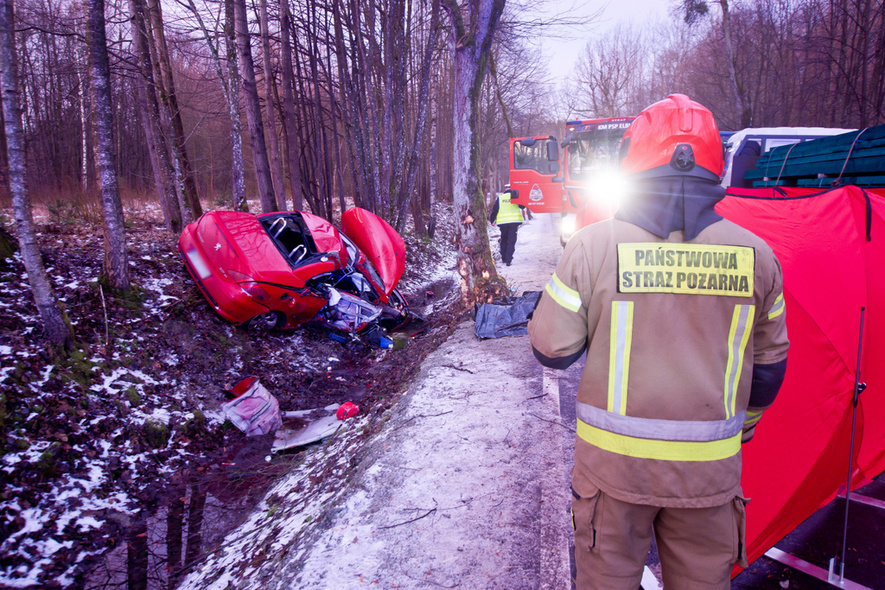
698, 547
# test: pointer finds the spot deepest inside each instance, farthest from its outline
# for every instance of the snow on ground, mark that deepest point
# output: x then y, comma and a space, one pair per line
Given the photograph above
78, 467
537, 252
455, 491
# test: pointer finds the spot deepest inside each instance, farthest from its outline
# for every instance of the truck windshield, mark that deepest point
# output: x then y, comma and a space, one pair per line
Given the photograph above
594, 149
531, 155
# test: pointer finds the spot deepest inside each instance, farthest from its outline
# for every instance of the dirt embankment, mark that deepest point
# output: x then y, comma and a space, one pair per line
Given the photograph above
128, 428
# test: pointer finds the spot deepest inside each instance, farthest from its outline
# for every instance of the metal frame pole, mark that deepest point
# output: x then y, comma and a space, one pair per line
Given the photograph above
858, 388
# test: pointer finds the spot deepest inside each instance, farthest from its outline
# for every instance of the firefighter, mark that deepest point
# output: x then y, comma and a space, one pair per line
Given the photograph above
508, 218
681, 316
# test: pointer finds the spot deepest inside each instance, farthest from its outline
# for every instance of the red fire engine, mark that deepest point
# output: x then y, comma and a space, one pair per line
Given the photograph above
575, 183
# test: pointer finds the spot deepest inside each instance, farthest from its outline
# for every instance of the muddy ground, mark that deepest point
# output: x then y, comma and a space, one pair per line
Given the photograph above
96, 446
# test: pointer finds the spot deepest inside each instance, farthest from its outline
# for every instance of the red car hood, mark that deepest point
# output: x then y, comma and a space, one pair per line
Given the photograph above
380, 243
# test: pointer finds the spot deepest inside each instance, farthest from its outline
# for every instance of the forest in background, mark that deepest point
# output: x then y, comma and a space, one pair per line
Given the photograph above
387, 104
355, 97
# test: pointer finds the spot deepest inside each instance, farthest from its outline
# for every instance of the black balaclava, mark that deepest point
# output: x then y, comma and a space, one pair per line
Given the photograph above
664, 204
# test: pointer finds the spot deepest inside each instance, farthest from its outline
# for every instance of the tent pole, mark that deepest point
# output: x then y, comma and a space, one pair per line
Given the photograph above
858, 388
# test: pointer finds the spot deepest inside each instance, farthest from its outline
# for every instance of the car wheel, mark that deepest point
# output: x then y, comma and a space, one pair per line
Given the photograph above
264, 322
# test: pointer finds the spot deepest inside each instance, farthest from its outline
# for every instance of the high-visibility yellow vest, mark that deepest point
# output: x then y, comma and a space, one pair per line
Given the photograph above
507, 211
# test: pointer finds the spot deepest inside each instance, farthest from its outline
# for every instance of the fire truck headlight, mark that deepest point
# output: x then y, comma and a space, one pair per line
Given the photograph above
611, 187
567, 225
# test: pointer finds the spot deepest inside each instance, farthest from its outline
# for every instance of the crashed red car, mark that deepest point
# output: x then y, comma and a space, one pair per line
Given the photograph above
280, 270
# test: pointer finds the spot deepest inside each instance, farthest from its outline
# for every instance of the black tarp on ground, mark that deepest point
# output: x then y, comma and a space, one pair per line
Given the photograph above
505, 318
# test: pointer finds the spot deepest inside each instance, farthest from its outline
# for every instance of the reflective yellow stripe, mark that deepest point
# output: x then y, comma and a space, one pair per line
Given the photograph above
562, 294
738, 335
621, 340
752, 417
777, 308
644, 448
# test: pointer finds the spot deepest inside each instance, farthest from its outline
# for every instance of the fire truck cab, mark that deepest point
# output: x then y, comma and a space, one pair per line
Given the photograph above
575, 182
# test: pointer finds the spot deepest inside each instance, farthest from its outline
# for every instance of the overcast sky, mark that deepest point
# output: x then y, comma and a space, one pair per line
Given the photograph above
564, 52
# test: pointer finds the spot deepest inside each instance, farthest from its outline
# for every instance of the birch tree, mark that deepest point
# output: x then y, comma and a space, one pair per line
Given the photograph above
253, 109
229, 87
116, 265
58, 330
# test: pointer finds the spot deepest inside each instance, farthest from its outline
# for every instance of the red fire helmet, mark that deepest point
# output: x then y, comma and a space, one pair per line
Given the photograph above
675, 136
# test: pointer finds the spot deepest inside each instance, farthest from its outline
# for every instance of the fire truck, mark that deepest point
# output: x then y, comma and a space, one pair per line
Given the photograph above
578, 182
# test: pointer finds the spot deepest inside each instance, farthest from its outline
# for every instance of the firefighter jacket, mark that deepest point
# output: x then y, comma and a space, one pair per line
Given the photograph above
672, 331
503, 211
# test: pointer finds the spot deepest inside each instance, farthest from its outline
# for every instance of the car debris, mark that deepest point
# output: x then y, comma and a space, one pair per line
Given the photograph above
347, 410
281, 270
254, 410
303, 427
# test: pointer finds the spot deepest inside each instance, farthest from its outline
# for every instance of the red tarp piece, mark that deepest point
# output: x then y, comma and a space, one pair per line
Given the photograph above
831, 246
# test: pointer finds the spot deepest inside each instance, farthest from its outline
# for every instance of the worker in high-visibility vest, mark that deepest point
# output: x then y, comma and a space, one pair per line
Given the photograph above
508, 218
680, 314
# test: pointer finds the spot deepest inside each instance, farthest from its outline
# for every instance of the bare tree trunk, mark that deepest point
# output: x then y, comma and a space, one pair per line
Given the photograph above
276, 168
167, 93
229, 86
413, 163
4, 162
233, 106
196, 508
253, 109
877, 76
307, 139
322, 159
116, 261
350, 99
334, 110
150, 116
86, 170
741, 104
290, 132
174, 530
470, 53
58, 330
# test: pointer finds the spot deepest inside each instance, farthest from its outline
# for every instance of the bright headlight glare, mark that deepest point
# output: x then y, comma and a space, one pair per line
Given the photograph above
610, 187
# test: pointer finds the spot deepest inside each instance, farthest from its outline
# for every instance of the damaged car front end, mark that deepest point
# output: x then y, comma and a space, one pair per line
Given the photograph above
282, 270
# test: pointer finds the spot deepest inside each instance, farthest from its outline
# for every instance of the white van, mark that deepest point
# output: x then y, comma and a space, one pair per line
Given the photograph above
744, 147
